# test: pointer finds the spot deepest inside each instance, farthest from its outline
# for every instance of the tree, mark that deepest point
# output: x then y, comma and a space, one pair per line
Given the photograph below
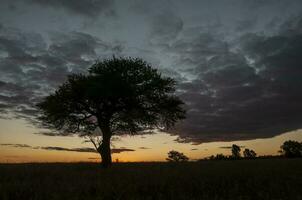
291, 149
236, 151
117, 96
175, 156
247, 153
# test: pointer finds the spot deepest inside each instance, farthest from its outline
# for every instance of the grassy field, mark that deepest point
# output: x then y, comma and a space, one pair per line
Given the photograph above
242, 179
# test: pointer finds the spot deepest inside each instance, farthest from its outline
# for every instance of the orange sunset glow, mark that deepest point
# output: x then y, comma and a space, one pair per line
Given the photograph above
146, 148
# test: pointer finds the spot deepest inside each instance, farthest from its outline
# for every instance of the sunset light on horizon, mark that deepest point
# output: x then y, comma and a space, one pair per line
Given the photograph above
144, 148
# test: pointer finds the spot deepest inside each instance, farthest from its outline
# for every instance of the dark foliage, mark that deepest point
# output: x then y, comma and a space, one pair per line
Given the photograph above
236, 151
291, 149
249, 153
175, 156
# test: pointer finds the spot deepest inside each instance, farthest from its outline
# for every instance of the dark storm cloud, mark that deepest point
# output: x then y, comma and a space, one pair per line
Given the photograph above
291, 26
72, 47
193, 50
237, 63
30, 68
246, 25
169, 27
146, 7
90, 8
253, 91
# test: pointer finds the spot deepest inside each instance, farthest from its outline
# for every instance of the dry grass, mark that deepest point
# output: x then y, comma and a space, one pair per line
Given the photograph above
243, 179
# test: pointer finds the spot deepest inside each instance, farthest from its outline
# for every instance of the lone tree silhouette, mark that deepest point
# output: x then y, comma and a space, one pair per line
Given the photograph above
118, 96
235, 151
175, 156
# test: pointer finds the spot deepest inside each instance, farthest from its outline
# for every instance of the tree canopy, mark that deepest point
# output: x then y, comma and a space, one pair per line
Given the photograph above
117, 96
175, 156
291, 149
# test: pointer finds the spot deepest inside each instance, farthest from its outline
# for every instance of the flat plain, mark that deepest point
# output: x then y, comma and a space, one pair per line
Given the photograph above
237, 179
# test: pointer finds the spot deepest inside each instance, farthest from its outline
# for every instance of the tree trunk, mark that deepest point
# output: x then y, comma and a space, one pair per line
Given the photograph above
104, 148
106, 152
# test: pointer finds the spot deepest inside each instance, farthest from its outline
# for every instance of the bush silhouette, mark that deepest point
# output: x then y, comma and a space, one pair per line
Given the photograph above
247, 153
175, 156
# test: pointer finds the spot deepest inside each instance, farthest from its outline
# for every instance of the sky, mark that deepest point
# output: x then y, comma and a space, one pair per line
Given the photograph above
237, 64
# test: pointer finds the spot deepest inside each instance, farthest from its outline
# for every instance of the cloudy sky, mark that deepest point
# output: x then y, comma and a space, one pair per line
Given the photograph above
238, 65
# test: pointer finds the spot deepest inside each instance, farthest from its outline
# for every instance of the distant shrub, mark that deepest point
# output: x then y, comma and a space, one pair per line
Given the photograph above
175, 156
247, 153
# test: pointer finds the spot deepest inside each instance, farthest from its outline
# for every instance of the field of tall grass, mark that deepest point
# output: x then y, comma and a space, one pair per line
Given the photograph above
237, 179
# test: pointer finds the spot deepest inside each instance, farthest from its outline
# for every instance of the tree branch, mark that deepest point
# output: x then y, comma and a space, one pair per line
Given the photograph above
93, 142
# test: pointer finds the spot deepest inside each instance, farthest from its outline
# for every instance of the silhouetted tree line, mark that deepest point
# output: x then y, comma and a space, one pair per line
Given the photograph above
289, 149
236, 155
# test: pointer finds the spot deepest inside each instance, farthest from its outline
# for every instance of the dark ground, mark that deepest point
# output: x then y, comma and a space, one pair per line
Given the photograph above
242, 179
